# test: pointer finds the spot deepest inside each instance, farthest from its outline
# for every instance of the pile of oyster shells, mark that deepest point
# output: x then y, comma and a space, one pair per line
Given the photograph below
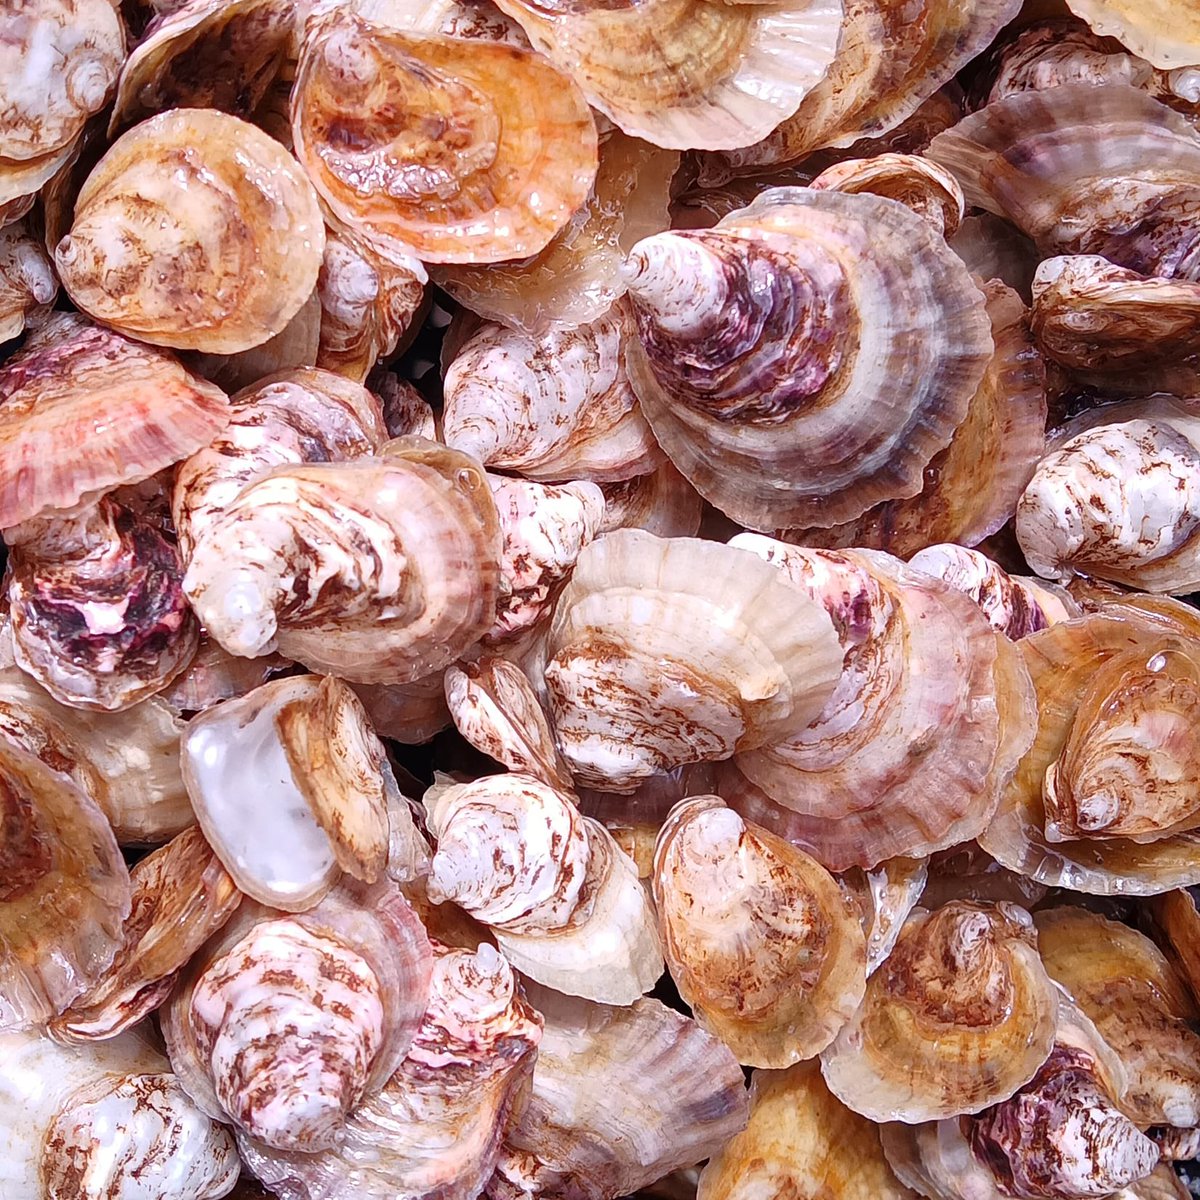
592, 599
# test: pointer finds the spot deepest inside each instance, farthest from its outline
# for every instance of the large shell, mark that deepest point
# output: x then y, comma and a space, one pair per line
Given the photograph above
761, 942
779, 361
681, 1096
959, 1017
196, 230
288, 785
803, 1143
83, 410
688, 73
103, 1122
553, 407
28, 284
508, 159
283, 1024
669, 651
327, 564
1139, 1004
1063, 661
65, 891
436, 1127
929, 718
1165, 32
562, 899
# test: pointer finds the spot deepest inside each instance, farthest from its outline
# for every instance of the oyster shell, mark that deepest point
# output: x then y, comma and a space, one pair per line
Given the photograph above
410, 713
929, 190
1165, 32
776, 357
103, 1121
562, 899
28, 284
668, 651
760, 940
681, 1098
284, 1024
994, 249
1175, 922
662, 503
303, 749
196, 230
960, 1015
435, 1128
214, 675
688, 73
405, 410
510, 156
84, 410
886, 895
885, 769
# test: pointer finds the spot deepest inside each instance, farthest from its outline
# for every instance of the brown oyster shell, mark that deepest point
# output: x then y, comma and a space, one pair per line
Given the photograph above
1174, 920
921, 669
960, 1015
662, 503
28, 284
64, 891
761, 942
181, 896
510, 156
83, 410
682, 1097
803, 402
688, 73
1165, 32
917, 183
409, 713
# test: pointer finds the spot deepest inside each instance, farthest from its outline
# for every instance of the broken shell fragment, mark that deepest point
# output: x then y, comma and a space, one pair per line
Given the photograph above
562, 899
928, 189
196, 230
28, 284
284, 1024
960, 1015
102, 1121
436, 1126
697, 649
760, 940
288, 785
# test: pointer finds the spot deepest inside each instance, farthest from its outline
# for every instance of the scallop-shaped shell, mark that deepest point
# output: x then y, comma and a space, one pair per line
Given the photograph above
681, 1098
105, 1120
327, 564
284, 1024
510, 156
778, 360
803, 1142
1139, 1004
885, 769
935, 1160
563, 901
669, 651
181, 896
196, 230
958, 1018
762, 943
554, 406
288, 786
929, 190
28, 284
662, 503
436, 1127
65, 891
1165, 32
293, 417
1062, 661
83, 410
99, 617
577, 277
689, 73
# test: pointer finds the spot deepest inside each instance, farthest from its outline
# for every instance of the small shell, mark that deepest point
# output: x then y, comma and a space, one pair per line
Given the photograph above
83, 410
662, 503
196, 230
436, 1127
510, 156
775, 357
664, 652
327, 564
929, 190
409, 713
681, 1098
65, 891
288, 786
886, 895
181, 896
214, 675
1139, 1004
553, 407
1165, 32
405, 411
802, 1143
284, 1024
562, 899
28, 284
760, 940
958, 1018
103, 1122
